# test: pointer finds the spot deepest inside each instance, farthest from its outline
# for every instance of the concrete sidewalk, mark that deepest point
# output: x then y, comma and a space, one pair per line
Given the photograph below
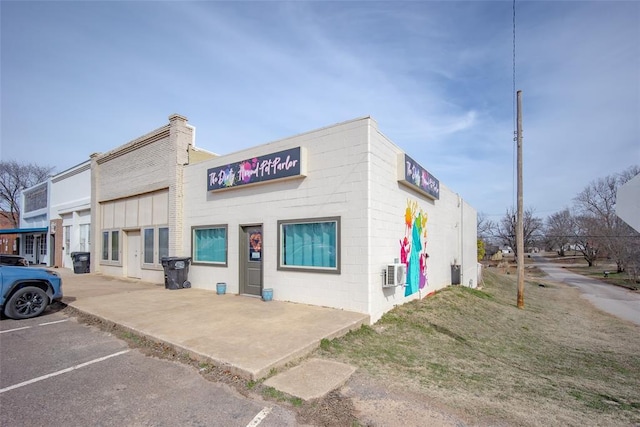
246, 335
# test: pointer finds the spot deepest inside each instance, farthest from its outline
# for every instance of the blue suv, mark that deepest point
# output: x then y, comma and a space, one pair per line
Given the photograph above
26, 291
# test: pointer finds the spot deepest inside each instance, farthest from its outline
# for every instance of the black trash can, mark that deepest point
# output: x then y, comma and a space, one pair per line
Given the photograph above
176, 272
81, 262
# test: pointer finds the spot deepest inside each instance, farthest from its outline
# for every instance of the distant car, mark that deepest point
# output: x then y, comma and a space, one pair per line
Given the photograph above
26, 292
17, 260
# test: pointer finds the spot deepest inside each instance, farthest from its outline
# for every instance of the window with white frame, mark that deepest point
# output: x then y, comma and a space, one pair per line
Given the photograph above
67, 239
309, 245
163, 242
115, 245
209, 244
156, 245
105, 246
110, 246
43, 245
148, 245
28, 244
84, 237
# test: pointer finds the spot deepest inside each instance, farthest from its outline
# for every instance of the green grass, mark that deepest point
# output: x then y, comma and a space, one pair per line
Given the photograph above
613, 277
558, 360
274, 394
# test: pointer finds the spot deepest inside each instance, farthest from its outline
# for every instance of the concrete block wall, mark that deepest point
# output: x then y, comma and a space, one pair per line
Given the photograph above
451, 228
335, 186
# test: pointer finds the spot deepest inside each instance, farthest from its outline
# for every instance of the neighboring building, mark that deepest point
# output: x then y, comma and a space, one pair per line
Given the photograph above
34, 223
137, 201
70, 214
8, 238
327, 218
628, 202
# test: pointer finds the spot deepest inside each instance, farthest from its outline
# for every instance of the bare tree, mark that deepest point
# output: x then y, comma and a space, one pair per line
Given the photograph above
485, 227
602, 231
586, 243
560, 231
505, 230
15, 177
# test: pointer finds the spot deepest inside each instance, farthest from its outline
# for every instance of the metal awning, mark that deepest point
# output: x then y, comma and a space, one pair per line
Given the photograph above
24, 230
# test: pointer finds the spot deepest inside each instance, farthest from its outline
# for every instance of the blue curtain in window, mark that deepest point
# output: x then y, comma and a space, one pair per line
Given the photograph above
310, 244
210, 245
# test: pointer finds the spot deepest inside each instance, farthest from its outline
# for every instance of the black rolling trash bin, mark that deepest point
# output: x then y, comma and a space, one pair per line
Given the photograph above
176, 272
81, 262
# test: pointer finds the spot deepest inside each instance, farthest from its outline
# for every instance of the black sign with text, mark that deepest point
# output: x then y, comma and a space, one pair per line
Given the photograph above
283, 164
417, 177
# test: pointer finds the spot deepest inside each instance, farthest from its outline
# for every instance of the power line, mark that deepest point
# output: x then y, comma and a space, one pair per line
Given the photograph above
513, 173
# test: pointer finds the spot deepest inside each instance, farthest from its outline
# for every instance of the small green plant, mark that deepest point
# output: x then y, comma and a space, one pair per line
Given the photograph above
277, 395
272, 393
130, 336
478, 293
325, 344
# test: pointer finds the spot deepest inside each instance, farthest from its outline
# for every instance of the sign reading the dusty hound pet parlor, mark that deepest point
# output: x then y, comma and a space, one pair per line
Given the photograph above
281, 165
411, 174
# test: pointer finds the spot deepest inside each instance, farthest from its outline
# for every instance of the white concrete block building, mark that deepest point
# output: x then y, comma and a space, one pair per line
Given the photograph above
328, 233
328, 217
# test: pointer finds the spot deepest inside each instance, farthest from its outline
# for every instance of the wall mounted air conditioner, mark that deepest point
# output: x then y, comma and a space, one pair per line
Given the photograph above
396, 275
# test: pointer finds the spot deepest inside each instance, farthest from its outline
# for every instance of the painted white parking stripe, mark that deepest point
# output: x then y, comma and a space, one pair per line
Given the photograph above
16, 329
258, 418
28, 327
64, 371
53, 323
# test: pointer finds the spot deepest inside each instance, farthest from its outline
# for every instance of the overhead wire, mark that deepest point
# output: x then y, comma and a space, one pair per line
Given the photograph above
514, 94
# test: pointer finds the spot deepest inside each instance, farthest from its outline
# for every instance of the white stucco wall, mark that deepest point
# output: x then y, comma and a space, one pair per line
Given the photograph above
70, 200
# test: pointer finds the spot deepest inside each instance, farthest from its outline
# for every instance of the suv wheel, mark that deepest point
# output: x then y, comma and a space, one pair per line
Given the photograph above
26, 303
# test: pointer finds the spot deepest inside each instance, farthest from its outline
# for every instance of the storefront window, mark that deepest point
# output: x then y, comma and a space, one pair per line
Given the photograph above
84, 237
43, 245
148, 245
163, 243
67, 239
111, 246
28, 244
156, 241
311, 245
105, 245
210, 244
115, 245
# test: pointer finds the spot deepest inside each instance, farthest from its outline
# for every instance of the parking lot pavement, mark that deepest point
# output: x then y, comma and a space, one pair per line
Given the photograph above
58, 372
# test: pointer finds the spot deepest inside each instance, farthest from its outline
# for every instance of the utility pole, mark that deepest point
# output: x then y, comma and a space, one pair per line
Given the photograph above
519, 222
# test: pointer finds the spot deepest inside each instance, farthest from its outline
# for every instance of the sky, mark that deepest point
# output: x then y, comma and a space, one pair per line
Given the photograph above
79, 77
